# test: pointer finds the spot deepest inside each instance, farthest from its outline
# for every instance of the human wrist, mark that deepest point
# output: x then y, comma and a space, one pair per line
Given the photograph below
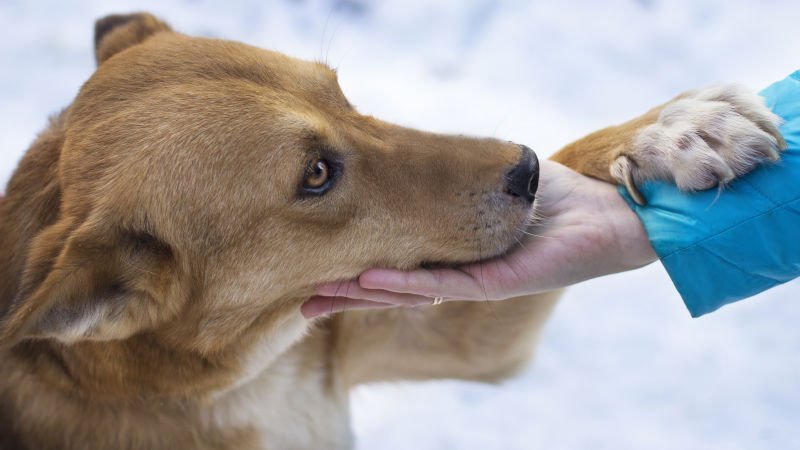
631, 240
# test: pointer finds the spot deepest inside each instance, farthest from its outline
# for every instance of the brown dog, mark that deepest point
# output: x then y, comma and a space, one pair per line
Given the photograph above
162, 233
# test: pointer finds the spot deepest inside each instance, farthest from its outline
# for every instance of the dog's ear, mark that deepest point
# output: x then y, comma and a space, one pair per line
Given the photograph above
89, 283
116, 32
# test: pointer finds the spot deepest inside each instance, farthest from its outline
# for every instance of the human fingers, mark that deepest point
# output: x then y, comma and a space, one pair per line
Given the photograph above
447, 283
354, 291
320, 306
337, 288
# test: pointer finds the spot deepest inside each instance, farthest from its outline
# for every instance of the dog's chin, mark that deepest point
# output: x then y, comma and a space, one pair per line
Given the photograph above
493, 247
495, 251
497, 243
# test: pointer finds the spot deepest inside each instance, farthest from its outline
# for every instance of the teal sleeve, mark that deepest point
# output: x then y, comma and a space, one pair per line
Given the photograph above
721, 247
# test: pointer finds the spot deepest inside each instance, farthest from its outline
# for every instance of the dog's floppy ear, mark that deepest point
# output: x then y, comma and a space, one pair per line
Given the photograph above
85, 283
116, 32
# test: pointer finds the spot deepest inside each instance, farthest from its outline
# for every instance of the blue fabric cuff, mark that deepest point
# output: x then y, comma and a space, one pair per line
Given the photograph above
720, 247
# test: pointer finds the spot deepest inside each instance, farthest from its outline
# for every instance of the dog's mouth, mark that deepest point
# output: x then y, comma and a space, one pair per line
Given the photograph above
515, 240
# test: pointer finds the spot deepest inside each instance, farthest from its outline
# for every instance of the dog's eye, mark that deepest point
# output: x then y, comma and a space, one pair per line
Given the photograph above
318, 176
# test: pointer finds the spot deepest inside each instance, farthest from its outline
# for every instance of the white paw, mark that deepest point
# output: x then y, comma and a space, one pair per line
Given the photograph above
703, 139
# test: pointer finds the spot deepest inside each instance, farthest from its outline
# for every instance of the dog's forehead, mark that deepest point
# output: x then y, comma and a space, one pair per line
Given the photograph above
205, 88
182, 58
171, 64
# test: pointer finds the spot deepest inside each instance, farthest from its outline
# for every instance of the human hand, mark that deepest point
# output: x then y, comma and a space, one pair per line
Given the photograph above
588, 231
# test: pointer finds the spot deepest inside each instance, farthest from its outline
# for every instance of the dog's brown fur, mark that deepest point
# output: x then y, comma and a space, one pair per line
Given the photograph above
156, 253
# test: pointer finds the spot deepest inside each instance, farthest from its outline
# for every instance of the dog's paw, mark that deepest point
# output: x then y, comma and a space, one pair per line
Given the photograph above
703, 139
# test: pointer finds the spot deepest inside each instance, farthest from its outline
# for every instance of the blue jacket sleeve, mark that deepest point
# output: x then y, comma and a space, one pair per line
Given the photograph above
721, 247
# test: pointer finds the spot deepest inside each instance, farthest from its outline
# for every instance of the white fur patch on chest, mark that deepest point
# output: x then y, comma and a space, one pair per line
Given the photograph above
286, 399
275, 343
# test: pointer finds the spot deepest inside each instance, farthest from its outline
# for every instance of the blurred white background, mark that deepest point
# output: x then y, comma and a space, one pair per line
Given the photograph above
621, 364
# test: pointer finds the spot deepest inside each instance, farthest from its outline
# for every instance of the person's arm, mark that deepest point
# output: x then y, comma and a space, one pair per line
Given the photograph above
721, 247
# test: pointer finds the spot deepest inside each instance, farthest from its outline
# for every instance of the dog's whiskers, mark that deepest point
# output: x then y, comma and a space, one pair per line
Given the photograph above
520, 243
322, 52
528, 233
480, 271
335, 295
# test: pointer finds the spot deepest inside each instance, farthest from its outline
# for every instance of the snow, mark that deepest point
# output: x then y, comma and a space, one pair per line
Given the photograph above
621, 365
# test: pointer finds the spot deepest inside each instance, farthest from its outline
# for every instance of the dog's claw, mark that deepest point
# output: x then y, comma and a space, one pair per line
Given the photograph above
622, 170
636, 195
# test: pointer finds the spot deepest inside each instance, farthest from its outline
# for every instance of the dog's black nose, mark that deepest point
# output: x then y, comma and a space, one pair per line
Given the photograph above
523, 179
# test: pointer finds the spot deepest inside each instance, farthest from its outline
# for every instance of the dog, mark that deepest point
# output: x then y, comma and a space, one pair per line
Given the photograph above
163, 231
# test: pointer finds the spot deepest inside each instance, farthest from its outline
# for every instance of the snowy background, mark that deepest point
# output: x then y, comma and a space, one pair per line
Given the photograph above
621, 364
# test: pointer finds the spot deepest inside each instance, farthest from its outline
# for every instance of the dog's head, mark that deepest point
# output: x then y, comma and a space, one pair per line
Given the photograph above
207, 186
